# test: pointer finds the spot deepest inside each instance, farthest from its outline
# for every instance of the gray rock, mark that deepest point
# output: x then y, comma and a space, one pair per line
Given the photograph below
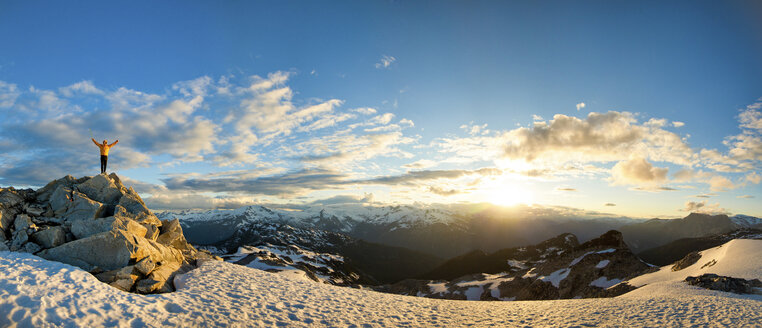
7, 216
50, 237
86, 228
132, 203
81, 208
22, 222
172, 235
60, 199
686, 261
19, 239
4, 247
724, 283
10, 198
123, 284
160, 280
110, 251
31, 247
100, 188
145, 266
152, 231
34, 210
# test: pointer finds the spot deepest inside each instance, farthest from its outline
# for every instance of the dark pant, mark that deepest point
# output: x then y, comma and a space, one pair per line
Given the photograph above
104, 160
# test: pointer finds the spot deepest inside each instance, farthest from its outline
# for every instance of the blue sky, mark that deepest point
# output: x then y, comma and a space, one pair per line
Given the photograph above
225, 104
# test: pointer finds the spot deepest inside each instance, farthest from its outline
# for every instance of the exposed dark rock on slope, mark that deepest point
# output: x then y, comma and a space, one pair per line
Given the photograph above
726, 284
593, 269
99, 225
320, 267
506, 260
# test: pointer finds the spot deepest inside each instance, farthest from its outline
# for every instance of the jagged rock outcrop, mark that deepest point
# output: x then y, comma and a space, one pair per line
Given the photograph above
687, 261
99, 225
556, 269
726, 284
320, 267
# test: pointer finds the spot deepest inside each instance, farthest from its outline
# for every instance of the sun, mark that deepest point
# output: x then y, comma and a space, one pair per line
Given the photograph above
506, 193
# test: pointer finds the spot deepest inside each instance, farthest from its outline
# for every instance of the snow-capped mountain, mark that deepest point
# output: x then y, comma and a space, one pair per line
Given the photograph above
441, 230
746, 221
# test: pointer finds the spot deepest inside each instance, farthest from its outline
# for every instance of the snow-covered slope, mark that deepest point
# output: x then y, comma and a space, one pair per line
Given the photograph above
738, 258
40, 293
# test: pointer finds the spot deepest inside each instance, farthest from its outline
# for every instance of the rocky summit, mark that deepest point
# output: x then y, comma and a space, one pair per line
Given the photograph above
101, 226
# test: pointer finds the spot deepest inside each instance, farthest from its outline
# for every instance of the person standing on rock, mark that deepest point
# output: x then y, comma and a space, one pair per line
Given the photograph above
104, 152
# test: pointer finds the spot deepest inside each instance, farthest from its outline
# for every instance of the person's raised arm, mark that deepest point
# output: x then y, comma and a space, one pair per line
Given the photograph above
115, 142
95, 142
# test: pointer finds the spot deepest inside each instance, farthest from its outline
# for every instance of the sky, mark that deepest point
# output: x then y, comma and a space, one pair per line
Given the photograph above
642, 109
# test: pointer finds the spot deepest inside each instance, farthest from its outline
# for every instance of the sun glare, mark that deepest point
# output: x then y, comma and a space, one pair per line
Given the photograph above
506, 193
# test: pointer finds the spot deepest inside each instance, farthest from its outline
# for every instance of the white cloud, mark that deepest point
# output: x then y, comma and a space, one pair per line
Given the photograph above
580, 106
407, 123
638, 171
420, 164
704, 208
386, 61
8, 94
678, 124
82, 88
365, 110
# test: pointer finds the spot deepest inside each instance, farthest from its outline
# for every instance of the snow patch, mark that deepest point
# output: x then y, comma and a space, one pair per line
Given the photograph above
604, 282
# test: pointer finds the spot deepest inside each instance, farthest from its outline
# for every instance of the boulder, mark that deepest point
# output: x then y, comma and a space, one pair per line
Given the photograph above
4, 247
31, 248
34, 210
22, 222
172, 235
152, 231
44, 194
111, 250
160, 280
10, 198
686, 261
132, 203
86, 228
726, 284
50, 237
145, 266
107, 250
82, 207
73, 205
20, 237
7, 215
123, 284
100, 188
60, 199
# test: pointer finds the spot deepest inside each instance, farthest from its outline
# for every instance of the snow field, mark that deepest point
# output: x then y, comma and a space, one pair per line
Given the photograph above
39, 293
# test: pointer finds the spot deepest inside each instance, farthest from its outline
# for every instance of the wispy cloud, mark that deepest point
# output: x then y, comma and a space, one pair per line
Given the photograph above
386, 61
580, 106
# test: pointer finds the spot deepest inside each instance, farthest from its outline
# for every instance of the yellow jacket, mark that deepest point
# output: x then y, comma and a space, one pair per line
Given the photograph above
104, 148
